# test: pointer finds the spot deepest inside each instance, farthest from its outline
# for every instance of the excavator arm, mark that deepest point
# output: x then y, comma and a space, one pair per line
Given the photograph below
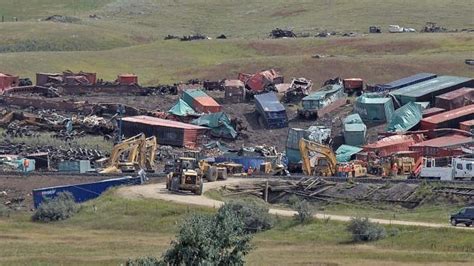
148, 153
307, 146
133, 146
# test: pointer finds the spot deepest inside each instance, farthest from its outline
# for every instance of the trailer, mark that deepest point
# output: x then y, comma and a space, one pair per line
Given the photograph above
459, 168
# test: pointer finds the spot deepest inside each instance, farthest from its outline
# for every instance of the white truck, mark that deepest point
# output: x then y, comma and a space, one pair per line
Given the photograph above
460, 168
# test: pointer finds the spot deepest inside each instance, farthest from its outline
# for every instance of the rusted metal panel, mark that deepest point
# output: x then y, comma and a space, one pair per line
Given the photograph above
393, 144
167, 132
89, 76
8, 81
455, 99
432, 111
259, 81
206, 104
449, 119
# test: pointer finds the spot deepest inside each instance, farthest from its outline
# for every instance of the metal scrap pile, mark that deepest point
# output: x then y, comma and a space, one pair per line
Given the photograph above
279, 33
298, 89
56, 154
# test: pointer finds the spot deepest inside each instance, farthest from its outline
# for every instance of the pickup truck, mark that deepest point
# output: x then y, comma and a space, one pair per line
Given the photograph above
464, 216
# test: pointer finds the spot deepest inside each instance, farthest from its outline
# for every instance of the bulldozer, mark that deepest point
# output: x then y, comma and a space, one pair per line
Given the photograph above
325, 162
139, 153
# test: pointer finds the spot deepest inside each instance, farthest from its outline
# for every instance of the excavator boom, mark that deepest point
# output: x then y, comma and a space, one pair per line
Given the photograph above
326, 152
134, 146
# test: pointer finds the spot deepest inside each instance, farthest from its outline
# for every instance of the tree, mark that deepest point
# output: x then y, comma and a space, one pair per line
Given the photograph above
364, 230
60, 208
217, 240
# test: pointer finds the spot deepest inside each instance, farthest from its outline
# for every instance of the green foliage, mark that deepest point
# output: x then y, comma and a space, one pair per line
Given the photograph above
255, 216
210, 240
304, 212
143, 261
364, 230
60, 208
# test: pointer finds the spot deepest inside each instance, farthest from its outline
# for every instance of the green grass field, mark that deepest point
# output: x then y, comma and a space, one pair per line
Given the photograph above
121, 228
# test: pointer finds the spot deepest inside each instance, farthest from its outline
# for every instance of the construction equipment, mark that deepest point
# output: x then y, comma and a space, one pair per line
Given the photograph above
131, 149
211, 172
185, 176
148, 154
325, 161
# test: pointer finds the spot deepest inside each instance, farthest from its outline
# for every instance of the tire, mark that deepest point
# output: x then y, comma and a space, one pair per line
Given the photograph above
199, 190
175, 184
453, 222
211, 174
468, 224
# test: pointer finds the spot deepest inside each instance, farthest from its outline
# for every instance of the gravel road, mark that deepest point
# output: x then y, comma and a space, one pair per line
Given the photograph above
159, 191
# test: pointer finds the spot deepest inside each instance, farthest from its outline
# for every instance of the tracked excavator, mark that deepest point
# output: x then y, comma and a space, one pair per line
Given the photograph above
139, 153
326, 162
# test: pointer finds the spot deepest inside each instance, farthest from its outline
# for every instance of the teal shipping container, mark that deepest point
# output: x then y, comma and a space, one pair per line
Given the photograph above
293, 156
373, 107
354, 130
405, 118
81, 166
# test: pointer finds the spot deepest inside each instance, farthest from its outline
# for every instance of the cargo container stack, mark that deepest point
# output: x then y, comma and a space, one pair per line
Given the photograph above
455, 99
449, 119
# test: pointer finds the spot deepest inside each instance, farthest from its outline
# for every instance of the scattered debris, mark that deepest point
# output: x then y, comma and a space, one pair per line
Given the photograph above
280, 33
62, 19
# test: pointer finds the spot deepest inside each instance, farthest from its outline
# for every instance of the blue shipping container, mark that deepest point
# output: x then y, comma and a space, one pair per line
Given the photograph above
82, 192
270, 108
400, 83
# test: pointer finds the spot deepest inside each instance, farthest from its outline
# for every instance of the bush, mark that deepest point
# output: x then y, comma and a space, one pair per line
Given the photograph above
254, 216
144, 261
60, 208
304, 212
210, 240
364, 230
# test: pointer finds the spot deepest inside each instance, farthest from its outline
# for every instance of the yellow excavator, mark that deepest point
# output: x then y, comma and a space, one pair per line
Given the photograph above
326, 163
325, 160
139, 153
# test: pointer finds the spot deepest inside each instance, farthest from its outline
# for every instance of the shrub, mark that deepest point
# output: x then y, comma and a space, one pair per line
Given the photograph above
304, 212
143, 261
254, 216
60, 208
364, 230
210, 240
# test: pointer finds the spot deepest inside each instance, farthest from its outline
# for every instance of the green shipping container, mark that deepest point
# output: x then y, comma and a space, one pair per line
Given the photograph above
354, 130
373, 107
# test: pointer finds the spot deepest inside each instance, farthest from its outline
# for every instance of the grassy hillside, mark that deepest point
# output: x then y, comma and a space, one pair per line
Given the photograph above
121, 228
253, 18
375, 58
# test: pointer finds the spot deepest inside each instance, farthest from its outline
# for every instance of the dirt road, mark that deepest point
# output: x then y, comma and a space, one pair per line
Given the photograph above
158, 191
